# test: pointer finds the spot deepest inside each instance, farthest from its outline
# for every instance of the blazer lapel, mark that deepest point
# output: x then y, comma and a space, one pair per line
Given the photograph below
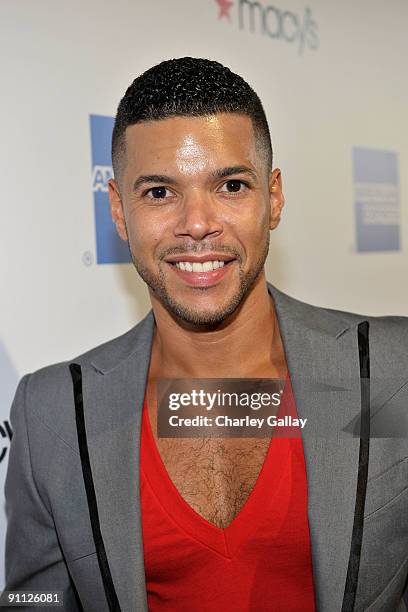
113, 400
322, 353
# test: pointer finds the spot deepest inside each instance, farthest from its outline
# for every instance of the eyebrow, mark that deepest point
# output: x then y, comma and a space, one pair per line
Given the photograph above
217, 174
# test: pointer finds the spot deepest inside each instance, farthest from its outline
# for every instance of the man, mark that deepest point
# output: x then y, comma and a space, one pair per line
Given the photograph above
195, 196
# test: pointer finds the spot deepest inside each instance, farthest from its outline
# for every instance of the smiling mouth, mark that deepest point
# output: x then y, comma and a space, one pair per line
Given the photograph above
204, 274
200, 267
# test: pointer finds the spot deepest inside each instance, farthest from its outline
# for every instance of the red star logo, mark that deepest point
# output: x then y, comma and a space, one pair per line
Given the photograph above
225, 7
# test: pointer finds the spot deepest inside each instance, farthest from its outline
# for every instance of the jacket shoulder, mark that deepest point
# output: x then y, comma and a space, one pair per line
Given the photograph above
391, 328
388, 333
48, 389
114, 351
305, 309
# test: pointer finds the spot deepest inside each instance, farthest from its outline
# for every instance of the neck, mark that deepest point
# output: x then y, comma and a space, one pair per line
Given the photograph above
248, 344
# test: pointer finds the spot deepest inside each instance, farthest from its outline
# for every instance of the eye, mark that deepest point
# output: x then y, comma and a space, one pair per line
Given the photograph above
157, 193
234, 186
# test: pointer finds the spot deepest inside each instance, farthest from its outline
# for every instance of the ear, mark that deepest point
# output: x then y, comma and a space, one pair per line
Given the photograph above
115, 202
276, 198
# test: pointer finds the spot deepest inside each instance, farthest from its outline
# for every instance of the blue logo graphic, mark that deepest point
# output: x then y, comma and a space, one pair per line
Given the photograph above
376, 200
109, 247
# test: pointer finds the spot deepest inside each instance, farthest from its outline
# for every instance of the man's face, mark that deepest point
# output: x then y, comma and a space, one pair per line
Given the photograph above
196, 205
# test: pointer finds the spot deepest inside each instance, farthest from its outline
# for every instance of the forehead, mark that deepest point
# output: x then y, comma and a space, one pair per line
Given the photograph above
211, 140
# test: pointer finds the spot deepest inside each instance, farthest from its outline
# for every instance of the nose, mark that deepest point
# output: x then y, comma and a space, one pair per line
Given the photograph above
199, 217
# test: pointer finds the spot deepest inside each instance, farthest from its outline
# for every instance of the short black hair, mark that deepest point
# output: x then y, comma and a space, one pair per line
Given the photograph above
187, 87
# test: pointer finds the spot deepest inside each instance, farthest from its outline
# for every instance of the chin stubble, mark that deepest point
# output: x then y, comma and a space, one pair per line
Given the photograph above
194, 316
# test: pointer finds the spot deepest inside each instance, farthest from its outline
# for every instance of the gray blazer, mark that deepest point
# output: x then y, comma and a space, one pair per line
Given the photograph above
72, 486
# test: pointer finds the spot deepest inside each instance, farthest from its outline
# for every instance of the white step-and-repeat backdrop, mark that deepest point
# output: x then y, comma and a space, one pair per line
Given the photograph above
332, 77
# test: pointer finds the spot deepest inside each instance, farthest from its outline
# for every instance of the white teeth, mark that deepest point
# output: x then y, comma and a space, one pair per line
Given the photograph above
205, 266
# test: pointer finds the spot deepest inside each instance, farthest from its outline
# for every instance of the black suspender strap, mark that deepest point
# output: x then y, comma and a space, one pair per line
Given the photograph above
110, 592
358, 524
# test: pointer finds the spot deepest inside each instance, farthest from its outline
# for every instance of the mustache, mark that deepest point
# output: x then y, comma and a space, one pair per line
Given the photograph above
202, 247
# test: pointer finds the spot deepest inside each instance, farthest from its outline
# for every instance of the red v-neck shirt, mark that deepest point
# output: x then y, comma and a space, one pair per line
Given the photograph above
260, 562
